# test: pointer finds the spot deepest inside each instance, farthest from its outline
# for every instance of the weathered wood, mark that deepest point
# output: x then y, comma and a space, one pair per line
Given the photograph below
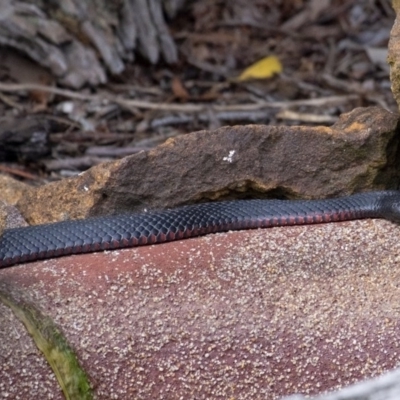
81, 41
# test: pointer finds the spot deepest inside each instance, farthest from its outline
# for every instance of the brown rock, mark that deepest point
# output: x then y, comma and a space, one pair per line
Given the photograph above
394, 53
252, 314
10, 217
12, 190
357, 153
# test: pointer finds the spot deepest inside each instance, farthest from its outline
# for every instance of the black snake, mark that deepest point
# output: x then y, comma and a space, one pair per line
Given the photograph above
127, 230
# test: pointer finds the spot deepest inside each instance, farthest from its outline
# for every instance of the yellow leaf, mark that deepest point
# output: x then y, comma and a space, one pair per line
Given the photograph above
264, 68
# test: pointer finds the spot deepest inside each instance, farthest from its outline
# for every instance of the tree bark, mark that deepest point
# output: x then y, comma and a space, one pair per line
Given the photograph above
80, 41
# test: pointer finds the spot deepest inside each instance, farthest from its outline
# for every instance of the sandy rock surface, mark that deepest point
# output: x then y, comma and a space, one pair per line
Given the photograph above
251, 314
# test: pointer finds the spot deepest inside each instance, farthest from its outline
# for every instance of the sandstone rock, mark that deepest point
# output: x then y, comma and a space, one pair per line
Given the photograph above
10, 217
11, 190
394, 54
357, 153
251, 314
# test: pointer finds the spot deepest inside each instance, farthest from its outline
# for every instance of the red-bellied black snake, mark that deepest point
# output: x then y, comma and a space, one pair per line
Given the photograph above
32, 243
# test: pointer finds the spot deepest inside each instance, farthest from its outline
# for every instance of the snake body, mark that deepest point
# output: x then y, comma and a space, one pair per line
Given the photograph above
39, 242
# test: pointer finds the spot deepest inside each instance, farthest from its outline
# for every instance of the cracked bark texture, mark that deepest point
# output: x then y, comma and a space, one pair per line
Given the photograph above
81, 41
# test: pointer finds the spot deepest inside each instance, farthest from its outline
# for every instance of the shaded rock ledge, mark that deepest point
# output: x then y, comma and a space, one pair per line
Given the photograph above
357, 153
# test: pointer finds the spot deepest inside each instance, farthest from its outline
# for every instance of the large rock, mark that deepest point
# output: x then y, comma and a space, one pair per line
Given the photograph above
245, 315
394, 54
357, 153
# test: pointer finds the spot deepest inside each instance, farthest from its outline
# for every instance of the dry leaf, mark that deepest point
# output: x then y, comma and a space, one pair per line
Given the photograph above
178, 89
262, 69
